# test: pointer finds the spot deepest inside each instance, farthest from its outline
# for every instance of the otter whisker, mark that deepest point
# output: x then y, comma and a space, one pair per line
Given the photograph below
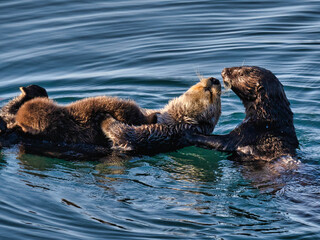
119, 124
200, 76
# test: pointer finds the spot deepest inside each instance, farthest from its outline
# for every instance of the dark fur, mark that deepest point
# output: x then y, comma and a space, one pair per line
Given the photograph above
267, 131
8, 112
78, 127
78, 122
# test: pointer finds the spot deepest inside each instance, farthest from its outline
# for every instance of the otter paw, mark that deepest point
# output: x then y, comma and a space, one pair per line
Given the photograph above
118, 133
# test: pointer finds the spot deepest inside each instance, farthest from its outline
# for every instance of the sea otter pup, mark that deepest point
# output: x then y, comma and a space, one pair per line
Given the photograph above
267, 132
8, 112
197, 110
78, 122
98, 120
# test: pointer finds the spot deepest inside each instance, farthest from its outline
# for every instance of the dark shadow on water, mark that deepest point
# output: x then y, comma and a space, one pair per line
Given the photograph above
194, 165
3, 162
190, 164
225, 192
37, 162
267, 176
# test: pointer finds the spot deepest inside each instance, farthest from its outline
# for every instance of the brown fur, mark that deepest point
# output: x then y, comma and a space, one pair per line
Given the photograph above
197, 110
99, 119
267, 132
80, 121
8, 112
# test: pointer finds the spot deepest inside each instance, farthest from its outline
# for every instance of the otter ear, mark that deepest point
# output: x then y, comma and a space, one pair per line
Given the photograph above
23, 90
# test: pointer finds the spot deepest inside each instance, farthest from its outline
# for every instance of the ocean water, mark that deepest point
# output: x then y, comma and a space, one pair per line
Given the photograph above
151, 51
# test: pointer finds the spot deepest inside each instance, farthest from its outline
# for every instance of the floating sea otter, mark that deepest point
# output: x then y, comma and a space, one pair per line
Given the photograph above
121, 124
267, 132
197, 111
8, 135
78, 122
8, 112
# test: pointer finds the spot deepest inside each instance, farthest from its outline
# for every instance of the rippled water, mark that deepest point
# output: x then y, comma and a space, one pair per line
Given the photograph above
150, 51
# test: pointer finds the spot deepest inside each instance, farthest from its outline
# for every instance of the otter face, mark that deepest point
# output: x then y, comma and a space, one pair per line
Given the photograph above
250, 82
33, 91
201, 103
207, 91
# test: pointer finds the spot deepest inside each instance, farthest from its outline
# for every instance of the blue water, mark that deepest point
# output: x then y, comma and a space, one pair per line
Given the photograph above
151, 51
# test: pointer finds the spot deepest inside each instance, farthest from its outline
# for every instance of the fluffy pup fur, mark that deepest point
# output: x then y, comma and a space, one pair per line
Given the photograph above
78, 122
8, 112
197, 110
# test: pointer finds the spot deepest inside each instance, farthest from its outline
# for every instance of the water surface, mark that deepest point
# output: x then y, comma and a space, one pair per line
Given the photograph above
150, 51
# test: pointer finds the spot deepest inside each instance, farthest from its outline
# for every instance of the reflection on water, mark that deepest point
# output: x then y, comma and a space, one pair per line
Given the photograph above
271, 176
192, 191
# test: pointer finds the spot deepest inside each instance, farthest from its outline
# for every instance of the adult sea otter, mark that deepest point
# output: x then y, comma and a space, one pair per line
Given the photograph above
267, 132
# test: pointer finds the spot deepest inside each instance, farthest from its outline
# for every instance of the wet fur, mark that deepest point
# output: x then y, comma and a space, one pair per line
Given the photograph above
197, 110
267, 132
107, 121
8, 112
78, 122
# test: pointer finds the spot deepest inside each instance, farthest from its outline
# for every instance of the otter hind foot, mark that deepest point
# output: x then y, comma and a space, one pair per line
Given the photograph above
117, 132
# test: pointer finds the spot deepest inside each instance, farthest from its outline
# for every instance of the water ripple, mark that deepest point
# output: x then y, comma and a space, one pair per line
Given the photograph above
151, 51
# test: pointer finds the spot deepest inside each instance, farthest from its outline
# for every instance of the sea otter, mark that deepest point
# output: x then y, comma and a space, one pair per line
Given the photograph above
8, 112
96, 120
78, 122
197, 110
267, 132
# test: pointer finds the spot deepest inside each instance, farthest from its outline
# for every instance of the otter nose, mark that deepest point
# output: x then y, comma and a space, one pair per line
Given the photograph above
214, 81
225, 72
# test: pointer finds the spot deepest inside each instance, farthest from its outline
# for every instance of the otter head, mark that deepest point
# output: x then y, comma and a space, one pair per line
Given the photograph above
33, 91
199, 105
259, 89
